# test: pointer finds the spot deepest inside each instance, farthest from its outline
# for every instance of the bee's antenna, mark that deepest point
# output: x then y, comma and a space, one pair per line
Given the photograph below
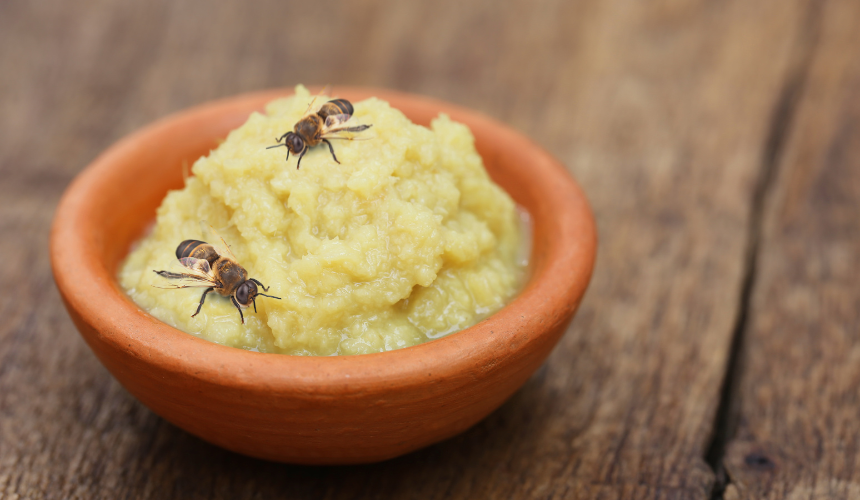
270, 296
277, 146
264, 287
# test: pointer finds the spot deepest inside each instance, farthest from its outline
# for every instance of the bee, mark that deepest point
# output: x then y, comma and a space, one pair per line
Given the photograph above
215, 269
318, 126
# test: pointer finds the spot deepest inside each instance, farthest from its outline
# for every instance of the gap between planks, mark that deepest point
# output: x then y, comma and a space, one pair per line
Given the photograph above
781, 122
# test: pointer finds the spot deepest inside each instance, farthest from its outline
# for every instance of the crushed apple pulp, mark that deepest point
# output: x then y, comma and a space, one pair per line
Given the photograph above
406, 240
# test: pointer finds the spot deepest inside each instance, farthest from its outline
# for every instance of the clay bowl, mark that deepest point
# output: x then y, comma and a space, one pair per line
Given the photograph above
313, 410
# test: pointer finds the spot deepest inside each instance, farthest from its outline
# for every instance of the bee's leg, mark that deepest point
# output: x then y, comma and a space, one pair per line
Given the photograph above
239, 309
332, 150
254, 300
298, 163
288, 155
203, 298
261, 285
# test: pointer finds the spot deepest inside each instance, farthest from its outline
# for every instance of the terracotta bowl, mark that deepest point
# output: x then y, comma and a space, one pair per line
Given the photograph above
313, 410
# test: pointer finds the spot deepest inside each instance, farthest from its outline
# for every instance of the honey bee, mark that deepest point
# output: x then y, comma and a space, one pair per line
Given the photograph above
216, 269
317, 126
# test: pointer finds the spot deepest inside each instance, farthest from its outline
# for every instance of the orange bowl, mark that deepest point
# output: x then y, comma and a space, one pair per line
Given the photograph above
314, 410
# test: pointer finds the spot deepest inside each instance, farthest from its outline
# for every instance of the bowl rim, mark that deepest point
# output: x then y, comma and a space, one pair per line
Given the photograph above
554, 290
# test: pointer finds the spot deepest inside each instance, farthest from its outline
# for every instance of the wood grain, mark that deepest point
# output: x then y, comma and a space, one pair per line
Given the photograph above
661, 110
798, 434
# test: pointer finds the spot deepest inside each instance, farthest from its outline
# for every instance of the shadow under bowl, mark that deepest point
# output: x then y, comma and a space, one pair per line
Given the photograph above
314, 410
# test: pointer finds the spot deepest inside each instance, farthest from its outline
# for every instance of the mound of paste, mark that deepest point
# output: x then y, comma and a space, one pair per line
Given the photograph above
406, 240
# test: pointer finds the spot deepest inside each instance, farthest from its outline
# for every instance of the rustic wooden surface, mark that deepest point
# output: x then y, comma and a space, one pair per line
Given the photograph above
798, 411
717, 141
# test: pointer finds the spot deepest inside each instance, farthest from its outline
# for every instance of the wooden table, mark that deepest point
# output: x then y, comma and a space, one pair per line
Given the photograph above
717, 352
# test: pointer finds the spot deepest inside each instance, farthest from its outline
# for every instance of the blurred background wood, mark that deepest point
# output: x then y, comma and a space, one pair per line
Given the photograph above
673, 115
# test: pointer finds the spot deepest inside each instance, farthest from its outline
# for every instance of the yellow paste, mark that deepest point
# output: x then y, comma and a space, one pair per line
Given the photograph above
406, 240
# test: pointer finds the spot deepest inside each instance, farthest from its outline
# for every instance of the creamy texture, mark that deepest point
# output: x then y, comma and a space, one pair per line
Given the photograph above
406, 240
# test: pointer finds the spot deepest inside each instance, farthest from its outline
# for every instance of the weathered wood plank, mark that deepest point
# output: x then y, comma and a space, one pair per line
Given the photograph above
687, 146
661, 110
798, 433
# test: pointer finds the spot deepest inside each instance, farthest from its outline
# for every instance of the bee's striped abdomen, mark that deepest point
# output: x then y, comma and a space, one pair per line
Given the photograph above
197, 249
336, 107
186, 247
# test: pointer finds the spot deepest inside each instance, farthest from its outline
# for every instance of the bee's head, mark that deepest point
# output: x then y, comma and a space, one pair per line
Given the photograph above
245, 293
294, 143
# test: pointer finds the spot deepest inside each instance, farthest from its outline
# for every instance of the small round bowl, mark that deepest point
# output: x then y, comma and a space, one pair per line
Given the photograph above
314, 410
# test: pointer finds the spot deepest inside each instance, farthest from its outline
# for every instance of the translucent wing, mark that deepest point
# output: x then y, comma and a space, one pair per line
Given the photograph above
192, 273
348, 137
215, 239
334, 121
311, 109
199, 267
339, 124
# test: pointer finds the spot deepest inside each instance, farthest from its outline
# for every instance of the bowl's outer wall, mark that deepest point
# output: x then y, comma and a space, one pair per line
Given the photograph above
314, 410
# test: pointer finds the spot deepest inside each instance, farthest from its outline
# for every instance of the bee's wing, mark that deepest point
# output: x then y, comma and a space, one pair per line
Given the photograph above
335, 121
337, 124
312, 110
348, 137
193, 273
215, 239
199, 267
